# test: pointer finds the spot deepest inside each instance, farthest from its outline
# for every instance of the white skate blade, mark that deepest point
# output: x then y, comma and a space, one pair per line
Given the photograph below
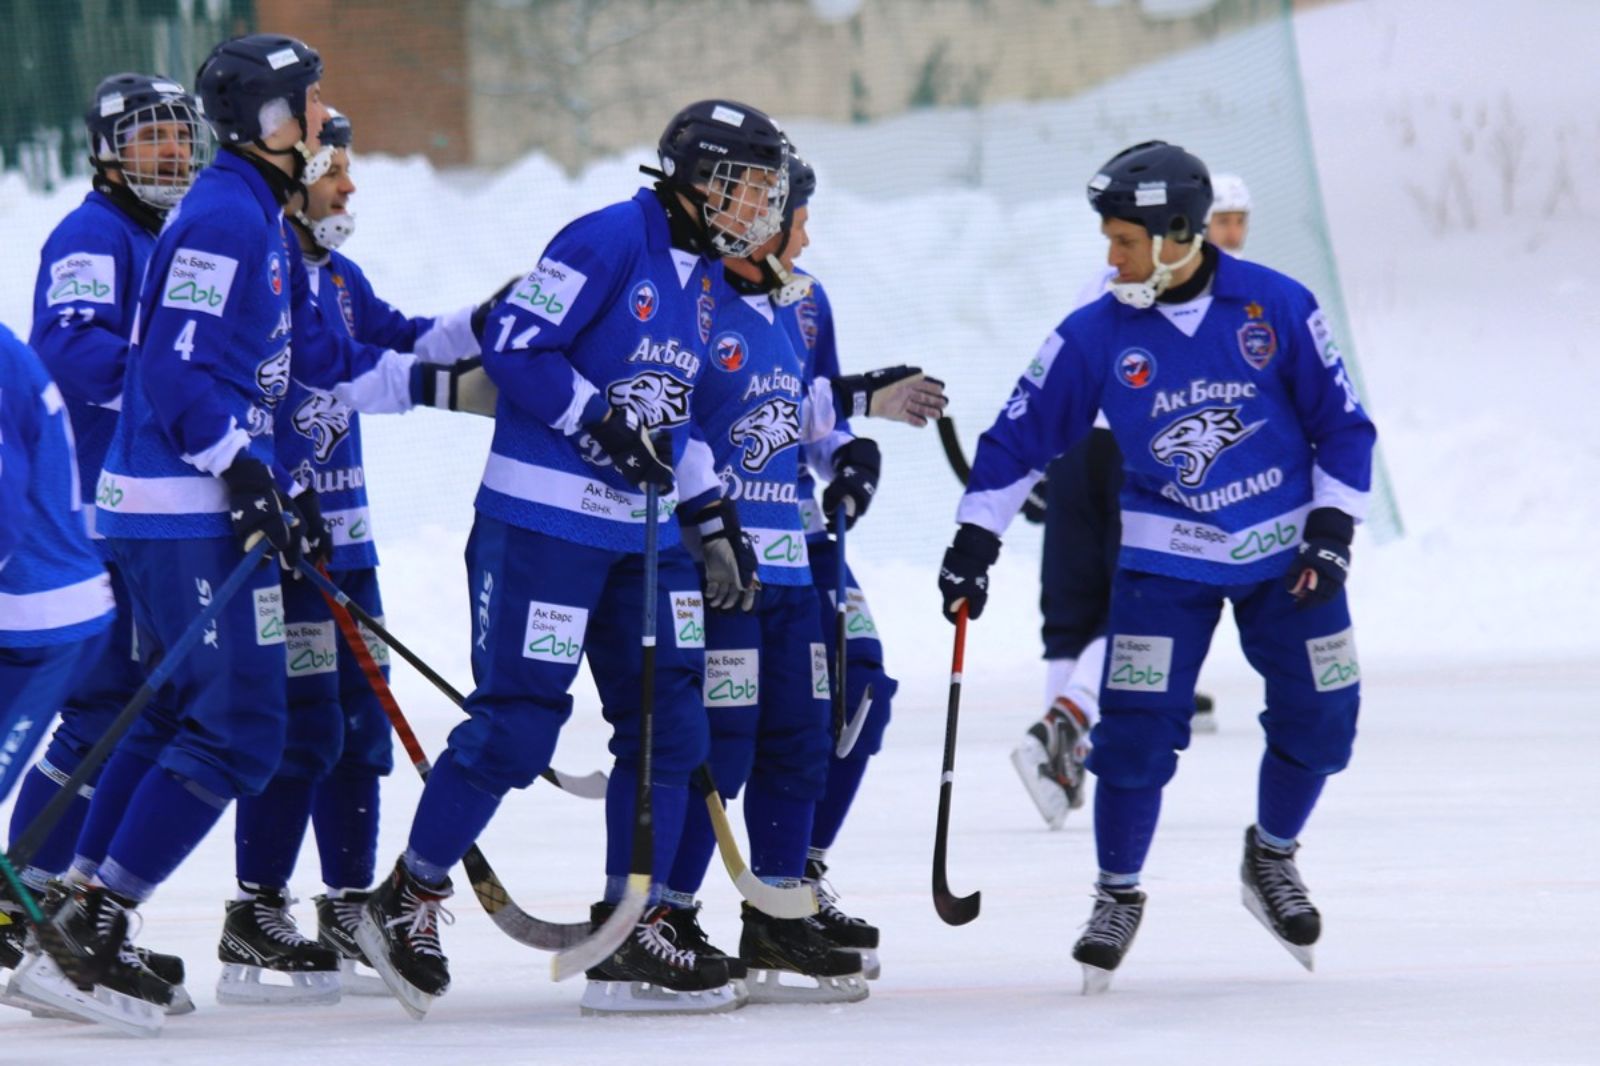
40, 979
1033, 766
1203, 722
870, 968
256, 986
1302, 952
620, 998
786, 986
415, 1001
1096, 981
358, 979
182, 1002
11, 995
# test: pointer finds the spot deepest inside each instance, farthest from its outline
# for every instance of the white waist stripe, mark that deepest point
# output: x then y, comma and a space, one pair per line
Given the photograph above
570, 492
121, 494
1197, 540
33, 612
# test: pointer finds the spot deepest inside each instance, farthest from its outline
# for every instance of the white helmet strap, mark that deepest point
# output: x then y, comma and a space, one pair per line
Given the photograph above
1142, 294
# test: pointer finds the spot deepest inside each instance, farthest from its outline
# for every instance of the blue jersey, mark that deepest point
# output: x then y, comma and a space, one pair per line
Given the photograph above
749, 406
612, 314
1233, 412
53, 587
319, 435
809, 323
83, 308
225, 320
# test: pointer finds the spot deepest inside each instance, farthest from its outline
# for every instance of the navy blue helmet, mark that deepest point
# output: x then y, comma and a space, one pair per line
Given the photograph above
245, 74
802, 184
147, 128
733, 161
1156, 185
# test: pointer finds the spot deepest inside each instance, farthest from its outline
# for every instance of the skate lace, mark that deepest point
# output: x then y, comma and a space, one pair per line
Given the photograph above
659, 939
347, 913
1279, 881
1111, 922
273, 918
827, 904
104, 919
420, 915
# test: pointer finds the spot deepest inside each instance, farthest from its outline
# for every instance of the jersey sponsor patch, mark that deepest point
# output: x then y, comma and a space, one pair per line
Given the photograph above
819, 672
549, 291
1333, 661
688, 619
198, 281
1322, 336
309, 649
732, 678
269, 615
1139, 664
83, 277
554, 633
375, 647
1136, 368
1043, 360
858, 623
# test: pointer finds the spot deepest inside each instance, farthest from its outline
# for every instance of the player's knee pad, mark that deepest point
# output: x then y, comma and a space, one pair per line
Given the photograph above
680, 727
1137, 748
1318, 739
504, 745
314, 739
732, 746
857, 680
368, 737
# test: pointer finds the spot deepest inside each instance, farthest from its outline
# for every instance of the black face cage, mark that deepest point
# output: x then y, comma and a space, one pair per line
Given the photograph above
159, 148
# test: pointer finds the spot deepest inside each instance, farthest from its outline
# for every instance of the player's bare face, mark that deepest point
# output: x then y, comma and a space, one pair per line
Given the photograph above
798, 239
330, 194
1228, 229
159, 153
1128, 250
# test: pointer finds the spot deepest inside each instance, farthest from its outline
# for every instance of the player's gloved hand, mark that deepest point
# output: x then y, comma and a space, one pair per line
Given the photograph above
257, 509
856, 466
729, 556
1037, 503
903, 393
316, 537
965, 573
460, 386
1319, 571
480, 314
623, 439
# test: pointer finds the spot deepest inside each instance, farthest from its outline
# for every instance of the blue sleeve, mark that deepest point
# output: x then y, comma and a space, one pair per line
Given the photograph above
1051, 408
527, 334
369, 378
15, 462
378, 321
82, 306
1330, 413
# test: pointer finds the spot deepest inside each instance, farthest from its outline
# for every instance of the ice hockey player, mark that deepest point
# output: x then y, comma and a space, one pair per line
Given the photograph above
596, 353
766, 681
1248, 461
146, 144
338, 741
1082, 535
190, 484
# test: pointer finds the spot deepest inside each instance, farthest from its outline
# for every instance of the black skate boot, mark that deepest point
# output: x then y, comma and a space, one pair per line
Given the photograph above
1108, 935
1274, 893
793, 960
651, 973
13, 929
688, 933
851, 933
259, 938
337, 918
399, 935
88, 930
1050, 761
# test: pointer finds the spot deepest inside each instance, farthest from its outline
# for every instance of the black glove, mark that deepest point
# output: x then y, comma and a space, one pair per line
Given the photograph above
965, 573
1319, 571
257, 509
316, 538
480, 314
902, 393
1037, 505
460, 386
856, 466
729, 556
624, 441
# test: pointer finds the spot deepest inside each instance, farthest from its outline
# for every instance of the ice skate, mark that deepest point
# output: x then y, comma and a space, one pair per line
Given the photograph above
399, 935
846, 931
337, 918
1274, 893
688, 933
1050, 761
1108, 935
649, 973
1205, 714
261, 945
793, 960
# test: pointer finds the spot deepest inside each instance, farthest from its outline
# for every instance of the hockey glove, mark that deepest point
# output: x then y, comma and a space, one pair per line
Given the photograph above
480, 314
625, 442
459, 386
1319, 571
257, 509
855, 479
316, 538
1036, 505
902, 393
965, 573
729, 556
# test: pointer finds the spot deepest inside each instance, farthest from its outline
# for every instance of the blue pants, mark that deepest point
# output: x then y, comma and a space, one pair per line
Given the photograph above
33, 684
1082, 536
368, 737
1159, 633
863, 649
312, 654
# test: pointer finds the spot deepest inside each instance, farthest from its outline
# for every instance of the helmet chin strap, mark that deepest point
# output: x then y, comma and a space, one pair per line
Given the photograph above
1142, 294
328, 233
784, 287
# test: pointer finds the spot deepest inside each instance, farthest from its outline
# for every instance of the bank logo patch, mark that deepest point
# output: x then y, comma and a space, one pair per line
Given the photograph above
1193, 443
1322, 336
732, 678
1136, 368
198, 281
1139, 664
1043, 360
1258, 344
549, 291
309, 649
730, 352
644, 301
1333, 661
554, 633
83, 277
820, 686
269, 615
766, 431
688, 619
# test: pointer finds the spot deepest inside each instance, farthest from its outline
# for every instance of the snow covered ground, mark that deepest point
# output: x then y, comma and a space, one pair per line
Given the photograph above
1456, 863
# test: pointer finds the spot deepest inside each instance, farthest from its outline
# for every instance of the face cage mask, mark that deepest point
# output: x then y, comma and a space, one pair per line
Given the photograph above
329, 233
737, 189
1142, 294
160, 182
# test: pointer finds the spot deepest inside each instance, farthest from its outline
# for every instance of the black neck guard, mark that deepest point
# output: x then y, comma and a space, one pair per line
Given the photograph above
129, 203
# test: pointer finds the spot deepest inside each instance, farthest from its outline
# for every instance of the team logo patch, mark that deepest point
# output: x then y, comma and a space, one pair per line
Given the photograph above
275, 274
272, 378
658, 399
1193, 443
644, 301
324, 421
1257, 343
347, 307
805, 312
730, 352
1136, 368
704, 306
766, 431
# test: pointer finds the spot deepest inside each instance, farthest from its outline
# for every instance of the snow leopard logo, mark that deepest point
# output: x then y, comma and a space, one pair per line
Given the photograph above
658, 399
765, 432
272, 377
324, 421
1192, 443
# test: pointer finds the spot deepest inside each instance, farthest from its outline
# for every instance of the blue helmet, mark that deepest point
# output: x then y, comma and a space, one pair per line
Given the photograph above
802, 184
715, 152
1158, 186
242, 76
129, 108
